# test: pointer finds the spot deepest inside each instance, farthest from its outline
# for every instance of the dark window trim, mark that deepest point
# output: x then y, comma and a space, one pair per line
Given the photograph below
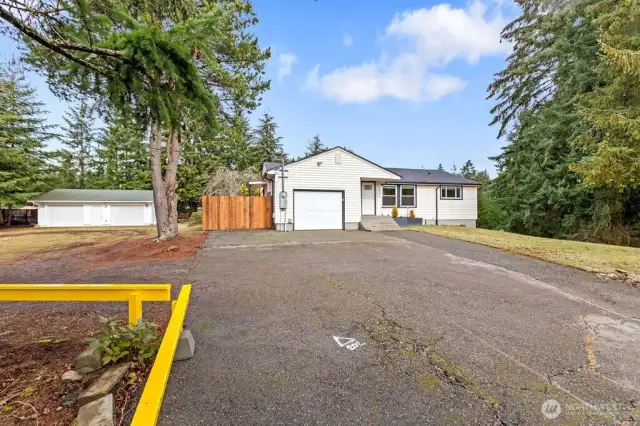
452, 186
382, 194
375, 201
415, 197
316, 190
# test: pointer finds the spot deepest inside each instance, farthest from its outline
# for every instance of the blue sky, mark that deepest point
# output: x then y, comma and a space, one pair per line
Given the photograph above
402, 83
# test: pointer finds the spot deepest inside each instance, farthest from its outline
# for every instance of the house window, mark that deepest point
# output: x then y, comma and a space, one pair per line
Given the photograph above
451, 193
407, 196
388, 195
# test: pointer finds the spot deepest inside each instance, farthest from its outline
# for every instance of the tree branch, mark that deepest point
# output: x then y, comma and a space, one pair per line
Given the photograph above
56, 45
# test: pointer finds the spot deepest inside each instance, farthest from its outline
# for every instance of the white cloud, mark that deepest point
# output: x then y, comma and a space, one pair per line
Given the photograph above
286, 61
347, 40
427, 39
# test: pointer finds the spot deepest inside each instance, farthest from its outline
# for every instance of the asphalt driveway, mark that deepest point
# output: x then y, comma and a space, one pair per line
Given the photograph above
356, 327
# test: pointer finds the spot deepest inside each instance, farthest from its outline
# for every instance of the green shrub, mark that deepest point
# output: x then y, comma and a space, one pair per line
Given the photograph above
195, 219
120, 342
394, 212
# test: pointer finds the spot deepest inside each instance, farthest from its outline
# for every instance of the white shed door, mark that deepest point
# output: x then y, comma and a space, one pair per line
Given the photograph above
317, 210
98, 216
130, 215
66, 216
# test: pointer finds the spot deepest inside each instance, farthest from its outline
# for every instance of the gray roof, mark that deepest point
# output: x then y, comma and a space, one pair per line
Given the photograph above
430, 176
100, 195
270, 165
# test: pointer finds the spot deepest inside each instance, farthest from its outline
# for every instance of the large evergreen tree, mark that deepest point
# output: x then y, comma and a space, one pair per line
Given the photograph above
164, 60
78, 139
24, 168
315, 146
612, 111
121, 160
268, 143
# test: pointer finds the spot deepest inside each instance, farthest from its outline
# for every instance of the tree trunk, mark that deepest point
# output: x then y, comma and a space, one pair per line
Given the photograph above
171, 178
165, 194
9, 217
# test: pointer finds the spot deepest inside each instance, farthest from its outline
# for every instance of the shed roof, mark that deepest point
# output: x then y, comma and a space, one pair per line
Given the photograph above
431, 176
99, 195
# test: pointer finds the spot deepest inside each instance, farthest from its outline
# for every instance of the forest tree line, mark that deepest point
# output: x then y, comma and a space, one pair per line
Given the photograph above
114, 155
568, 105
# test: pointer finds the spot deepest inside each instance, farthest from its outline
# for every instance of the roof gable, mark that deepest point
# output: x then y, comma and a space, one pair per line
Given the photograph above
387, 173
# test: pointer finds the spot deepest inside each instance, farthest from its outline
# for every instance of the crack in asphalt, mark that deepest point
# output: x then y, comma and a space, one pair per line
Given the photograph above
453, 375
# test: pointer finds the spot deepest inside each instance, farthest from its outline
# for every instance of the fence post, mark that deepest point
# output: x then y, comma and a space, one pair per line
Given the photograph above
135, 307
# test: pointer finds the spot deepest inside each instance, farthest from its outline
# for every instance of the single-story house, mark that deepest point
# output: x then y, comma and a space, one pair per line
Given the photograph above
95, 207
336, 188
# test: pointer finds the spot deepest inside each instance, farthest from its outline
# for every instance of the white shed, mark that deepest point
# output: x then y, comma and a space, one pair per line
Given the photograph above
95, 207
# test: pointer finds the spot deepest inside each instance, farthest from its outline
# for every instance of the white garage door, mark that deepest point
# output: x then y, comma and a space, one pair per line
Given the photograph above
65, 216
127, 215
317, 210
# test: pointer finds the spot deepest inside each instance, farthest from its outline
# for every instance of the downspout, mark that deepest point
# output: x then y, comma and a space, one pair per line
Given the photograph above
437, 191
285, 210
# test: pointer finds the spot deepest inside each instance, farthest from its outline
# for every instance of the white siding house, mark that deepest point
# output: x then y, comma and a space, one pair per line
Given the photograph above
90, 207
334, 189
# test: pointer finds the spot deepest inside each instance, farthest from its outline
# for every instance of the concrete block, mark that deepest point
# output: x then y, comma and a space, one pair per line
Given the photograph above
186, 346
97, 413
89, 360
104, 383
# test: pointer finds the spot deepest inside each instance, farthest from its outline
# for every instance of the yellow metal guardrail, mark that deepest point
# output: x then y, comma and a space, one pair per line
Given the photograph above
134, 294
151, 400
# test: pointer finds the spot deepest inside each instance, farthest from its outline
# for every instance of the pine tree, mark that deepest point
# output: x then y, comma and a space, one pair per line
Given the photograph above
468, 170
612, 110
24, 168
441, 167
79, 145
121, 159
268, 145
315, 146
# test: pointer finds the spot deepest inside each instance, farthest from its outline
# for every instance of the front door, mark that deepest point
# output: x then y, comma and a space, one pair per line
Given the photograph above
368, 198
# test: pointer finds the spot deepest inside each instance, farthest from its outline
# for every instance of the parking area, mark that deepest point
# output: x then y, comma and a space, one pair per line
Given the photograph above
338, 327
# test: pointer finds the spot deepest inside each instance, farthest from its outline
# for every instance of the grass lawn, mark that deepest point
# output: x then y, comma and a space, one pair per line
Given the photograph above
20, 243
587, 256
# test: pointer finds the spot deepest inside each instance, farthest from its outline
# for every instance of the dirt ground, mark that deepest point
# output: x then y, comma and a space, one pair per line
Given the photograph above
39, 341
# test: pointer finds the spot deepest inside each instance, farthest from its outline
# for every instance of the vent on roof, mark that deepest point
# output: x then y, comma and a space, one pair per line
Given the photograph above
338, 158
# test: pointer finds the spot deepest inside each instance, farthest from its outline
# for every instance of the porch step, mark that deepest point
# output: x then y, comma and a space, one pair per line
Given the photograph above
378, 223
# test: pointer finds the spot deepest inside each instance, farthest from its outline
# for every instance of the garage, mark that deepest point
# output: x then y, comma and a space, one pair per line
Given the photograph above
316, 209
95, 207
67, 215
127, 215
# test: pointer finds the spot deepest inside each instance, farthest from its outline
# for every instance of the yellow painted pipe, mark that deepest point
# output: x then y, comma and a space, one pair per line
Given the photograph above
150, 403
133, 294
83, 292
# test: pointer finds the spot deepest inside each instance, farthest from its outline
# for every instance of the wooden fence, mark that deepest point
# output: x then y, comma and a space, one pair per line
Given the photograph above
227, 213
